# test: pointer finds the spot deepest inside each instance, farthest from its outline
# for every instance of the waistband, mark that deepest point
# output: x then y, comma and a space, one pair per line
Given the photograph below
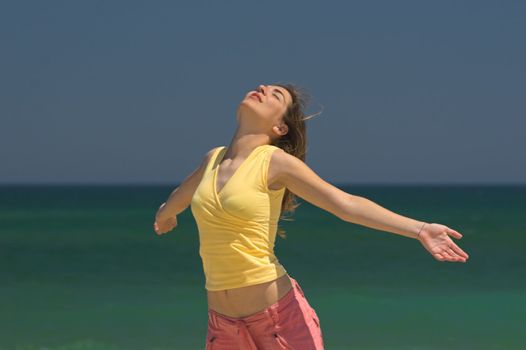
238, 325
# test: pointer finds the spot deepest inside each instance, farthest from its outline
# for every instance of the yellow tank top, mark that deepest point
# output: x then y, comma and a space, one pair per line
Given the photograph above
237, 226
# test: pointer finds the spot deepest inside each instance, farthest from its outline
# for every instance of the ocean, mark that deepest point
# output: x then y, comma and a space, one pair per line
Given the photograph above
82, 268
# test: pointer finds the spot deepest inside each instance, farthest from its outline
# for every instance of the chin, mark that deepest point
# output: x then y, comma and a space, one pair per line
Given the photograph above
247, 110
248, 104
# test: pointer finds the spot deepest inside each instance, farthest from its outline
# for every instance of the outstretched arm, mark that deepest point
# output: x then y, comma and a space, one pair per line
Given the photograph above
301, 180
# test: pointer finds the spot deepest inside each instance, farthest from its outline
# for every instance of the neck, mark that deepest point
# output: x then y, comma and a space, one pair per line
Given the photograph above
242, 144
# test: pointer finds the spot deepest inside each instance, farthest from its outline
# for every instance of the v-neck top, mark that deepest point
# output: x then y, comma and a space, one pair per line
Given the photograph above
237, 225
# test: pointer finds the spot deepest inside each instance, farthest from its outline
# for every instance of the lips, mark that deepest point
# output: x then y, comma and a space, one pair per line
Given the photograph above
257, 95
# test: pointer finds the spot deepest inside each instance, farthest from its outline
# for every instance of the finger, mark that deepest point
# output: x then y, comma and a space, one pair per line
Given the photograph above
454, 255
448, 256
459, 251
439, 256
454, 233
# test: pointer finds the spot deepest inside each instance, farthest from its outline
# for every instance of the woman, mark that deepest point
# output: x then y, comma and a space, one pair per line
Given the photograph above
237, 195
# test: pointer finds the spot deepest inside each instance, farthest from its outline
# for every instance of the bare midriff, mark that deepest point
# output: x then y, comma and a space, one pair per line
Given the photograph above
246, 301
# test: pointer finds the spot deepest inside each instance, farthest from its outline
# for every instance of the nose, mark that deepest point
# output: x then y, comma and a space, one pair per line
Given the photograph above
260, 89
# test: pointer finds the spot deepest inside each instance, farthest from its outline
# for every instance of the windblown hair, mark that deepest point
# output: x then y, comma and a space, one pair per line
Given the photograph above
294, 142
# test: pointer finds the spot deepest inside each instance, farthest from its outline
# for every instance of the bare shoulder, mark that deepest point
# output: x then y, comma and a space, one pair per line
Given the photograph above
288, 171
206, 159
197, 174
280, 160
278, 164
209, 154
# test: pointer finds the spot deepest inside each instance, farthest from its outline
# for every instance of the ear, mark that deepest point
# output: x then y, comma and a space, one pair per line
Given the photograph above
281, 130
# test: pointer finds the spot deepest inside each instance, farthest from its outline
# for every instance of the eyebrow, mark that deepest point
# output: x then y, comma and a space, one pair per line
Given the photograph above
284, 100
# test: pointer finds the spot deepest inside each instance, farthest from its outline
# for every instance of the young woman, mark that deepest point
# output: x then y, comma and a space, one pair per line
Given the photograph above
237, 195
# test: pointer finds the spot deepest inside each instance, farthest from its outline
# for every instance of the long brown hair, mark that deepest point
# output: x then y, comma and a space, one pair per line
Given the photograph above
294, 142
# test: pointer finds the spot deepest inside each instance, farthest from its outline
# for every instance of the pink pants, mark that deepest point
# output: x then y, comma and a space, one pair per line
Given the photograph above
290, 323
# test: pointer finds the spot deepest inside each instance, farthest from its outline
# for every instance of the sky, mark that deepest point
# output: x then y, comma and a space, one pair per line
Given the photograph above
137, 92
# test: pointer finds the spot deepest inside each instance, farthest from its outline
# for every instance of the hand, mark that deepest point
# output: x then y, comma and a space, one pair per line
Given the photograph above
166, 225
435, 238
163, 225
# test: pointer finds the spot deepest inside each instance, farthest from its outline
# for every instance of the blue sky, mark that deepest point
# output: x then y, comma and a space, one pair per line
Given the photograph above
118, 92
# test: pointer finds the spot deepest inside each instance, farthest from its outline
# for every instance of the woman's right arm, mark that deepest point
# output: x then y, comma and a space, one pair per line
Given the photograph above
181, 197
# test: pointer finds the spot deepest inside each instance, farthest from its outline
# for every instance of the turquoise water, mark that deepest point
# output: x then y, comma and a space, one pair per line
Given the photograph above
81, 268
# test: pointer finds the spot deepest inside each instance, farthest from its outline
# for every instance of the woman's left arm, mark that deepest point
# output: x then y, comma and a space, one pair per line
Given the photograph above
301, 180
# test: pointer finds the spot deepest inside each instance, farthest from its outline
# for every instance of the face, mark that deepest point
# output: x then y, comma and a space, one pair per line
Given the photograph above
267, 104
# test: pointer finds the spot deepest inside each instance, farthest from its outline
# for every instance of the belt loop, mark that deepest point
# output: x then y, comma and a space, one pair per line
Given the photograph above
274, 315
269, 316
212, 318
